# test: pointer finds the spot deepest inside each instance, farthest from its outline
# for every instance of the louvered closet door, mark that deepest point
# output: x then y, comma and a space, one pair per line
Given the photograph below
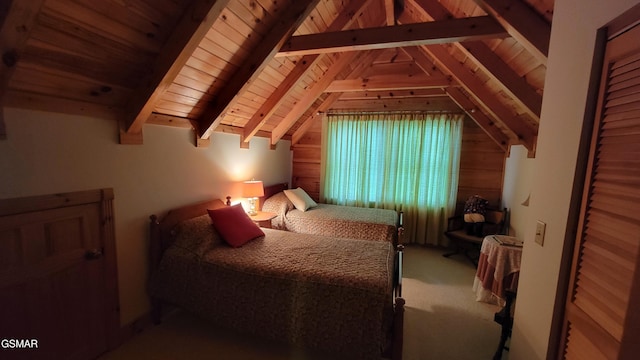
601, 318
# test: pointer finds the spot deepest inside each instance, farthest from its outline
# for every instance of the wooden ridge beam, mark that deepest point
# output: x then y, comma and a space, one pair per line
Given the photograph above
516, 86
288, 22
349, 14
189, 32
523, 23
435, 32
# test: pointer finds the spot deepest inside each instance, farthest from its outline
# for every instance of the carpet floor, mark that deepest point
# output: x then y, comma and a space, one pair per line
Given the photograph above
442, 321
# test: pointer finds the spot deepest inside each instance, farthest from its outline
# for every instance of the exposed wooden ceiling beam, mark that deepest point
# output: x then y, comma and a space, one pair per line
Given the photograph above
316, 115
389, 12
485, 121
170, 120
392, 94
304, 127
515, 85
276, 98
525, 134
389, 82
480, 118
362, 60
363, 65
17, 19
312, 94
42, 102
523, 23
435, 32
350, 13
393, 9
189, 32
440, 103
290, 19
184, 123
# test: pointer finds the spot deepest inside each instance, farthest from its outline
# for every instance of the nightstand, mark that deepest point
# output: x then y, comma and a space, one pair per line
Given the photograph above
263, 218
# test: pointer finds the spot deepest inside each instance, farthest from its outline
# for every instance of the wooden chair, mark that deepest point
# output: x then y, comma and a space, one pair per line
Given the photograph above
504, 317
469, 245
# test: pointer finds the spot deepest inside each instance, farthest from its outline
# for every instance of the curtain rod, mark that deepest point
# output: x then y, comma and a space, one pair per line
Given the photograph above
330, 112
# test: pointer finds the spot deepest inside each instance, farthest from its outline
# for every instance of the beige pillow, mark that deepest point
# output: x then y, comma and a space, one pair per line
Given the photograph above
278, 203
300, 199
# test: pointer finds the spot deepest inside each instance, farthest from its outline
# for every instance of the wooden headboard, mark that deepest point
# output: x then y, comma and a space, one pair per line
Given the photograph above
161, 237
160, 231
270, 191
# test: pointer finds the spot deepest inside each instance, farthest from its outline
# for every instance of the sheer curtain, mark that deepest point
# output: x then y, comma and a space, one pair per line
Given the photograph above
401, 161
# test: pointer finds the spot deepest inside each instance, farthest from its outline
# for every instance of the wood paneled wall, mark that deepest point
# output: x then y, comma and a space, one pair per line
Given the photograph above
481, 165
307, 152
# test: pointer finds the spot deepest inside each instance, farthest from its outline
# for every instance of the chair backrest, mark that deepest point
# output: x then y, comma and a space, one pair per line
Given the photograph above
494, 216
494, 221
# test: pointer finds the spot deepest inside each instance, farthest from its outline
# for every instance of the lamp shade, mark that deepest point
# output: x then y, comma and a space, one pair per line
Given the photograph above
253, 188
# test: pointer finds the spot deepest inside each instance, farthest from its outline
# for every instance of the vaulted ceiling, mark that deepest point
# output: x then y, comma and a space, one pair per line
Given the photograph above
270, 67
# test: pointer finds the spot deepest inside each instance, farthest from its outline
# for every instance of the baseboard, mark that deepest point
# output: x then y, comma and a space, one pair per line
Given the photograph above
135, 327
141, 323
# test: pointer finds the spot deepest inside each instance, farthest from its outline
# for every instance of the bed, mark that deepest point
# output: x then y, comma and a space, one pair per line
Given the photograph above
332, 220
338, 296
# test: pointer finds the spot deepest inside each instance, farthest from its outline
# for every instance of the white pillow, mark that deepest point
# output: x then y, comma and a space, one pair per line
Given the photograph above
300, 199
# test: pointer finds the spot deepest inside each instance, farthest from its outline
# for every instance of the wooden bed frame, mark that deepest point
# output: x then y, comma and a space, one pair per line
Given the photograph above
161, 237
276, 188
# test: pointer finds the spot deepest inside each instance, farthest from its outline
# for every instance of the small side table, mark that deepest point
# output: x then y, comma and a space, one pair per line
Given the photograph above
263, 218
498, 268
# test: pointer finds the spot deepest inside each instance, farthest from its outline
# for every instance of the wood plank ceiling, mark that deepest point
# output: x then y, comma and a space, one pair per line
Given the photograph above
269, 67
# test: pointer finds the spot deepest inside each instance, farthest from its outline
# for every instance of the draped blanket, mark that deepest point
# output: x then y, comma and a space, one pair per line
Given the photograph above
323, 293
334, 220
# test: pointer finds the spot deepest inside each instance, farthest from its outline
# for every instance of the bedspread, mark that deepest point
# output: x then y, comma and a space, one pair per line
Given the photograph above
334, 220
329, 294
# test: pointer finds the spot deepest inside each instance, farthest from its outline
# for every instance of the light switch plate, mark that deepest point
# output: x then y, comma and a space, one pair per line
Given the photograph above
540, 228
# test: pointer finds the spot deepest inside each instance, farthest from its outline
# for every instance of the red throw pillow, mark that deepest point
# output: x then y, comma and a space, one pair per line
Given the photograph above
234, 225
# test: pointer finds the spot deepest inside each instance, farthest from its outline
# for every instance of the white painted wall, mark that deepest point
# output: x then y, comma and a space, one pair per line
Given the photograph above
575, 23
518, 175
52, 153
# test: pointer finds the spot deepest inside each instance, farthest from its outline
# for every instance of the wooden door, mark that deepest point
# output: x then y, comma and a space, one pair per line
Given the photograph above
602, 316
53, 288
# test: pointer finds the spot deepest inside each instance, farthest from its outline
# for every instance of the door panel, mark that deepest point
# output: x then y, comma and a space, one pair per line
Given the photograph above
604, 275
49, 290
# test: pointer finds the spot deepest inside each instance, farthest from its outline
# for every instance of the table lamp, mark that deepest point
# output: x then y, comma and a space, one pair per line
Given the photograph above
252, 190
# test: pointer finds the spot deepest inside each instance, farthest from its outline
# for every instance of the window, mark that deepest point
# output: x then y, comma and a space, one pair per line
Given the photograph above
402, 161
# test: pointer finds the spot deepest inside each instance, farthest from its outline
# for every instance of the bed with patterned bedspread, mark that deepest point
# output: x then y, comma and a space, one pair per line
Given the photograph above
334, 220
333, 295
